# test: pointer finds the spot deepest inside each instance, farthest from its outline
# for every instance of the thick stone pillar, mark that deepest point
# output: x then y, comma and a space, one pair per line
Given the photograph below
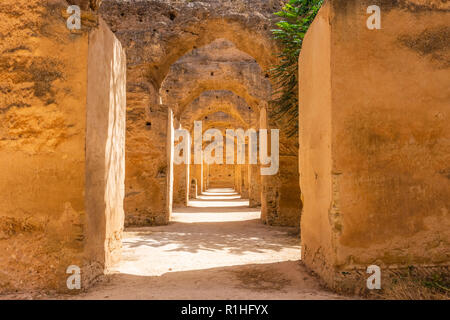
244, 179
62, 140
374, 143
179, 184
269, 184
202, 184
187, 184
280, 201
181, 181
197, 174
206, 176
254, 185
238, 178
193, 186
170, 152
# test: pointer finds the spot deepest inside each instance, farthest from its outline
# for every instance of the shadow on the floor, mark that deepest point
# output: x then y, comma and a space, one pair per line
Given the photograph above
236, 237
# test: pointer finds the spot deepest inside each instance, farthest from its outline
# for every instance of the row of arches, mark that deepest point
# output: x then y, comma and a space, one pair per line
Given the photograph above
242, 95
241, 91
200, 63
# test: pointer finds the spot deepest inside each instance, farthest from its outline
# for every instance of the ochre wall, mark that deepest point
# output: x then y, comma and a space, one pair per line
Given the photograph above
374, 167
43, 80
43, 71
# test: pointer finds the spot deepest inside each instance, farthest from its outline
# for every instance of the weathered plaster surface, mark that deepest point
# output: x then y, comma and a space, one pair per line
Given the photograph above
374, 167
44, 88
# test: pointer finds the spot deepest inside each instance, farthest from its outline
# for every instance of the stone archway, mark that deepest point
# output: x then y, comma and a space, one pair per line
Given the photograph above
217, 76
151, 50
188, 26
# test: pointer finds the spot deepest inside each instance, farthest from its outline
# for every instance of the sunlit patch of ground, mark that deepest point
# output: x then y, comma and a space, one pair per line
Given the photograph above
217, 248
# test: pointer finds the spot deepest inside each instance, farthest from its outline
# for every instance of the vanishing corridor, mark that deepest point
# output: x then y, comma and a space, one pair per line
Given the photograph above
137, 116
216, 248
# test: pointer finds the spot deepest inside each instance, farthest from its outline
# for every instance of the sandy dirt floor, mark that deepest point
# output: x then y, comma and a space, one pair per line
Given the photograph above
215, 249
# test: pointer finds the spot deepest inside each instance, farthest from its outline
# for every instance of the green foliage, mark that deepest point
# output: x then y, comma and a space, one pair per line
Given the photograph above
297, 17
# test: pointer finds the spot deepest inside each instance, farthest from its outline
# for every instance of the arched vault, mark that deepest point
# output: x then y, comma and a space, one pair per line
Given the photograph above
210, 102
208, 69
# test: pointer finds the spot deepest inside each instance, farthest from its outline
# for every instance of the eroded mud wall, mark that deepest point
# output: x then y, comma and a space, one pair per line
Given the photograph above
44, 87
43, 71
375, 140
